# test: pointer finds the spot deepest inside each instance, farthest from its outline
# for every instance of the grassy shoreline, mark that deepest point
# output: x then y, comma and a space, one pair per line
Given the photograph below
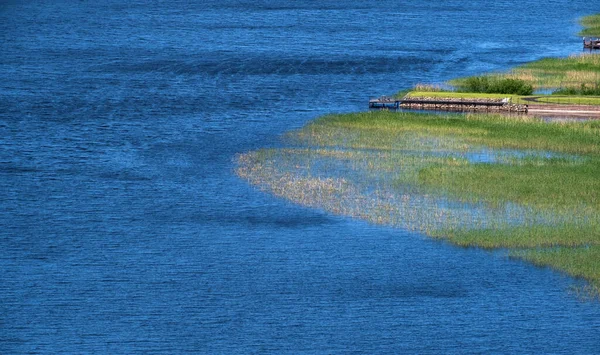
553, 73
476, 181
515, 99
591, 26
576, 78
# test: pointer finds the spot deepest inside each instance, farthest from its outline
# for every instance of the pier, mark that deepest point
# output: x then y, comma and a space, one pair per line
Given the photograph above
591, 43
385, 102
446, 104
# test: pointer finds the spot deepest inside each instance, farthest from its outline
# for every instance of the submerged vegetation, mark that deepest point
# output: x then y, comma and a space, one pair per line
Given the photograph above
477, 180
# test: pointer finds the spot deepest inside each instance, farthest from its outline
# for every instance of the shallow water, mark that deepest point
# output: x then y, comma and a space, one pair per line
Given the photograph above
124, 228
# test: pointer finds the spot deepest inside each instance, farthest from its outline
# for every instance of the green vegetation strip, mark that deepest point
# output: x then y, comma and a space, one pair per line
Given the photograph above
516, 99
592, 26
579, 262
553, 73
576, 76
477, 180
567, 100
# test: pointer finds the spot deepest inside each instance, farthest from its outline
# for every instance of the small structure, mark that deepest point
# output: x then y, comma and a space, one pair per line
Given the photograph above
446, 104
384, 102
591, 43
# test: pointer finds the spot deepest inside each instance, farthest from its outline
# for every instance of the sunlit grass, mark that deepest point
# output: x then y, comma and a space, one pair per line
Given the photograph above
571, 100
552, 73
515, 99
478, 180
571, 71
528, 236
592, 26
542, 183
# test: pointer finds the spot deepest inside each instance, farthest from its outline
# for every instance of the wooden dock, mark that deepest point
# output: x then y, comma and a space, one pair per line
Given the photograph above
444, 105
534, 107
385, 102
591, 43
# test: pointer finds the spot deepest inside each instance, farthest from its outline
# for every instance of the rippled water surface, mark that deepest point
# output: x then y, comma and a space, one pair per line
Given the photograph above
123, 227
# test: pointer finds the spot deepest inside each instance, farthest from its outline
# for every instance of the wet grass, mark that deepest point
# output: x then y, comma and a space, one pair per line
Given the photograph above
477, 180
592, 26
533, 236
384, 130
540, 183
580, 262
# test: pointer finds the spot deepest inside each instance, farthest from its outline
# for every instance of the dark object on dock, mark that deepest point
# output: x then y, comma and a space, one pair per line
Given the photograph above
591, 43
384, 102
446, 104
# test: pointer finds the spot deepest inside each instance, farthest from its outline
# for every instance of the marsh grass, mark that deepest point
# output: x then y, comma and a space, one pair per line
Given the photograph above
578, 74
525, 236
477, 180
572, 71
550, 73
532, 184
582, 262
582, 90
495, 84
592, 26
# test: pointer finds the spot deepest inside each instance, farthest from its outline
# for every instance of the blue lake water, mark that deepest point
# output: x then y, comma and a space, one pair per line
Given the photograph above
123, 228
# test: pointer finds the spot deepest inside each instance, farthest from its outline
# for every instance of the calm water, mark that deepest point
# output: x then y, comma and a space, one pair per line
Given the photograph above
123, 228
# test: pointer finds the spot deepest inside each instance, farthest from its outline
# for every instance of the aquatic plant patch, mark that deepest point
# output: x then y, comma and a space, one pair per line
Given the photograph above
477, 180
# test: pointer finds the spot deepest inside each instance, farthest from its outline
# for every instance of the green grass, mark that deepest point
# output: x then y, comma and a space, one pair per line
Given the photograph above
548, 73
538, 195
541, 183
592, 26
413, 171
459, 95
577, 63
494, 84
583, 90
515, 99
553, 73
381, 130
520, 237
580, 262
565, 99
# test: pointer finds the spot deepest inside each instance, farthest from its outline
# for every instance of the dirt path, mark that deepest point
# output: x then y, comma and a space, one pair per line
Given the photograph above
538, 107
565, 110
